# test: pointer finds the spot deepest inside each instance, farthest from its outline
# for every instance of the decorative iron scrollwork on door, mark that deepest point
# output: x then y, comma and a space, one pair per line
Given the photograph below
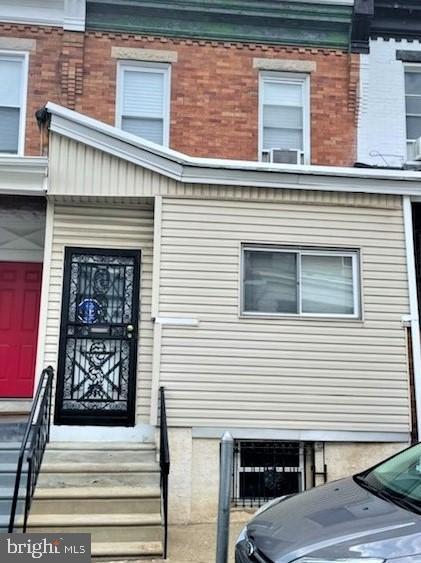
96, 379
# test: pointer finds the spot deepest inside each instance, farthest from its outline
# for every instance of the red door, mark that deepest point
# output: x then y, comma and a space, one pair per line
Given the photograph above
20, 291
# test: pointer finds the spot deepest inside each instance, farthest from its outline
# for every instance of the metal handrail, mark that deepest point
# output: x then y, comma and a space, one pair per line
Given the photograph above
164, 462
37, 433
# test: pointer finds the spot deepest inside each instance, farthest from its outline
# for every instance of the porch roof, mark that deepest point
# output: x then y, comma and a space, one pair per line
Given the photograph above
23, 175
208, 171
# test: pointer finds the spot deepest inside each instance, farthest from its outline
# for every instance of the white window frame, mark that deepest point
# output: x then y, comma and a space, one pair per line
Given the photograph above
287, 78
414, 68
354, 254
24, 58
159, 68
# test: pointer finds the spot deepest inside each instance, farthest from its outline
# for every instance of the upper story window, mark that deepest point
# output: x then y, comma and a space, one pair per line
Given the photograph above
413, 111
301, 281
13, 86
143, 100
284, 118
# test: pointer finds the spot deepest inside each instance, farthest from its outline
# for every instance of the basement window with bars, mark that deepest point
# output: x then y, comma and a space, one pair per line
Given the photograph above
143, 100
266, 469
13, 86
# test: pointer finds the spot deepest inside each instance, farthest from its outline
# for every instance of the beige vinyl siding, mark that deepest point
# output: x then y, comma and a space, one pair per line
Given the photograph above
282, 373
105, 226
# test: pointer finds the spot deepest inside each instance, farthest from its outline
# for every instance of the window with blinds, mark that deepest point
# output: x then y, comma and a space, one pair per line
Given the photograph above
143, 101
284, 116
413, 108
12, 103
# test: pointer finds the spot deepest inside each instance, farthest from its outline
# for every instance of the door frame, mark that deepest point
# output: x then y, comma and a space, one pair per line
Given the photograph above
92, 419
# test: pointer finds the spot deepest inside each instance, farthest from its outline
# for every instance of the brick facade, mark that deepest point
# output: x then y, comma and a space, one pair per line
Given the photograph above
214, 90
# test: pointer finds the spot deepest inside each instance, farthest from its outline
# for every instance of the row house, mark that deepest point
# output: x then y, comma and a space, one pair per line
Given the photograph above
193, 208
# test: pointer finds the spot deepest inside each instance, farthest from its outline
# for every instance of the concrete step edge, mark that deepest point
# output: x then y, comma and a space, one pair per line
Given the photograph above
96, 492
121, 549
103, 467
93, 520
102, 446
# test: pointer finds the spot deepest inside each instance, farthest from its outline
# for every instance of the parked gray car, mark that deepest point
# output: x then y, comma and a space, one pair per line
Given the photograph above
369, 518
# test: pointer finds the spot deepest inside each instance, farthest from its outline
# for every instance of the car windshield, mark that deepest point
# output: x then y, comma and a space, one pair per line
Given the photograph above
397, 479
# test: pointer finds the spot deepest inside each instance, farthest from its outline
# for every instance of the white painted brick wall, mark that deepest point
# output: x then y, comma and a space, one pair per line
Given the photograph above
381, 123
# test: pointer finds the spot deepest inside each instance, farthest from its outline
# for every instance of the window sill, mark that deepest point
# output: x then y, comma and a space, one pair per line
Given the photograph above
287, 317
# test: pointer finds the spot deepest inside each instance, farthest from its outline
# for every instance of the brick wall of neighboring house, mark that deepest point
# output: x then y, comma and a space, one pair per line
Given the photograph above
214, 90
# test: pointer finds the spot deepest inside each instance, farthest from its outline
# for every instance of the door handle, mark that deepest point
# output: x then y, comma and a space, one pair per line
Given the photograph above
130, 330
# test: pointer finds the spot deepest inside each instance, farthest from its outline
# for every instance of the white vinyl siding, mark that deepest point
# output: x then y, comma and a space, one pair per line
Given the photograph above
105, 226
143, 101
286, 373
284, 120
279, 281
13, 86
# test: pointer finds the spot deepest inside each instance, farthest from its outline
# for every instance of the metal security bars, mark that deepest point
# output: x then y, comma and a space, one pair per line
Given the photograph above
265, 470
164, 461
35, 439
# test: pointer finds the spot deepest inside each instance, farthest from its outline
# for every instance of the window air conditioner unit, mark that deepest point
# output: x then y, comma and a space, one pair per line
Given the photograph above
285, 156
417, 149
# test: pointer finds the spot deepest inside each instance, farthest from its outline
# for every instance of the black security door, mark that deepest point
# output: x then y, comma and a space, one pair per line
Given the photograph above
96, 382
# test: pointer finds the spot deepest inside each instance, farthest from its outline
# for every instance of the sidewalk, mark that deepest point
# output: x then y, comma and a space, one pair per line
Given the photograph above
196, 543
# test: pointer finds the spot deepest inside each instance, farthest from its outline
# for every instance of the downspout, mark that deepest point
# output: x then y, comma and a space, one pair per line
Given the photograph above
413, 303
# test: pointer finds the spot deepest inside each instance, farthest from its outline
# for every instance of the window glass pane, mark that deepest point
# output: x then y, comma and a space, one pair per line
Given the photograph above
277, 138
413, 104
413, 82
327, 284
270, 282
280, 93
9, 130
279, 116
143, 94
149, 129
10, 82
413, 127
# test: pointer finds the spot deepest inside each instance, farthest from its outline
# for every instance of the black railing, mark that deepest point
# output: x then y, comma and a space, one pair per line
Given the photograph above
35, 438
164, 461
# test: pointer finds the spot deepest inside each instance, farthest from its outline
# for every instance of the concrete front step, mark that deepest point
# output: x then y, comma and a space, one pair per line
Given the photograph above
120, 505
102, 527
98, 480
126, 549
86, 467
102, 446
96, 456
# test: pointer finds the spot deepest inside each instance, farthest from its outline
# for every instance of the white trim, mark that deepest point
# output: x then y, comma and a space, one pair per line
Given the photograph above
23, 58
300, 435
193, 170
283, 78
300, 251
156, 259
20, 175
45, 291
156, 372
413, 303
142, 66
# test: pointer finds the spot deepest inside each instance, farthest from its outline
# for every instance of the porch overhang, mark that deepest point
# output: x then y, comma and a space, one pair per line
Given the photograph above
207, 171
23, 175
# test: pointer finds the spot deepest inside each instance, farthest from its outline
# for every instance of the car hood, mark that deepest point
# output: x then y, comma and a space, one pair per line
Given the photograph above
338, 520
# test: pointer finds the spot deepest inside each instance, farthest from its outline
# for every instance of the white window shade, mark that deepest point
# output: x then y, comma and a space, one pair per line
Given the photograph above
143, 94
10, 82
12, 100
143, 105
